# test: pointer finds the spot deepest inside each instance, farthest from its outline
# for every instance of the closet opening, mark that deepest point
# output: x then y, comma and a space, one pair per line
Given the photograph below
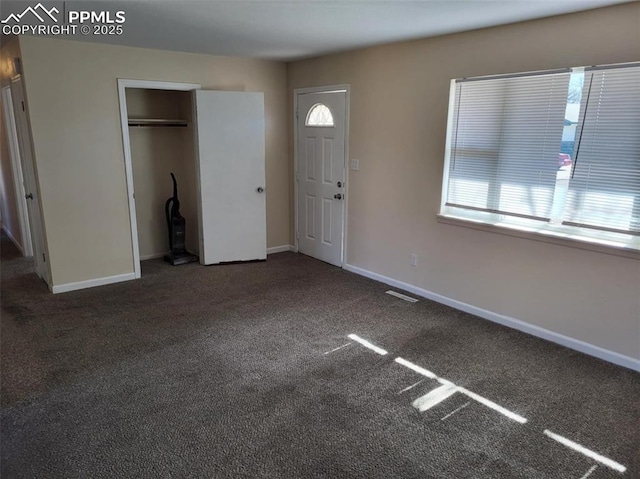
161, 141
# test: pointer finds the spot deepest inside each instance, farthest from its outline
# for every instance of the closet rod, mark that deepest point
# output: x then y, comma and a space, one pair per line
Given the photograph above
157, 122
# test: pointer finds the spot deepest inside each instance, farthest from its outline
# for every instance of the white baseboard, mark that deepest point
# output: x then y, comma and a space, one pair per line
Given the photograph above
13, 240
90, 283
576, 344
280, 249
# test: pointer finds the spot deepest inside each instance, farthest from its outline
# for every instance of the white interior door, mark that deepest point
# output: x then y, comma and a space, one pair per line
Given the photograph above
321, 125
30, 183
230, 136
16, 166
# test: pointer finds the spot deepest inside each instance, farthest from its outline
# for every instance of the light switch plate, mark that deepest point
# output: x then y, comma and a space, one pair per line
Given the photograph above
355, 165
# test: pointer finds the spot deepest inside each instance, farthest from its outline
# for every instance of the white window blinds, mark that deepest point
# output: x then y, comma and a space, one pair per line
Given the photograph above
604, 191
560, 148
506, 139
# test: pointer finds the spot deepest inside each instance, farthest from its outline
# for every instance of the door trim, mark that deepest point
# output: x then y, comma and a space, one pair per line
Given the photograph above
322, 89
123, 84
18, 177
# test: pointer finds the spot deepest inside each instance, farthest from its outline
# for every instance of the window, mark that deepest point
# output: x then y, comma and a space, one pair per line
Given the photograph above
555, 153
319, 115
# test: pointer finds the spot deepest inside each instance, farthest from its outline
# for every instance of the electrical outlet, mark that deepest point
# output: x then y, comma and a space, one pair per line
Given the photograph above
414, 260
355, 165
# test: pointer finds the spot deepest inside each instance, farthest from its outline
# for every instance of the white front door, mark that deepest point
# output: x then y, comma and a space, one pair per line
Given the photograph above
30, 183
321, 125
230, 129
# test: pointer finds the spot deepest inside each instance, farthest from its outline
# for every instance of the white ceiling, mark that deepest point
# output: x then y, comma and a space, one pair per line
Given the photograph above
290, 29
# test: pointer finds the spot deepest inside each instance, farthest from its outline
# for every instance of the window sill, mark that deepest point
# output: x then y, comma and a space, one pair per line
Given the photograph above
545, 236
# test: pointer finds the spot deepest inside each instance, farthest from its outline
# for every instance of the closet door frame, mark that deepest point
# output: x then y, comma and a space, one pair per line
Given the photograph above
123, 84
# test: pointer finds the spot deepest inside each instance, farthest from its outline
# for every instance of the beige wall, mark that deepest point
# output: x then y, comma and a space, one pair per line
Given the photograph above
399, 100
73, 102
8, 208
155, 153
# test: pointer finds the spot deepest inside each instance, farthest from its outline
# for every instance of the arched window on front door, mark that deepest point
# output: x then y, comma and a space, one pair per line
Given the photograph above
319, 115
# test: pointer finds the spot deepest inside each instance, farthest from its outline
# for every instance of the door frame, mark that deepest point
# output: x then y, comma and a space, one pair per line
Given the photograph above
123, 84
18, 176
323, 89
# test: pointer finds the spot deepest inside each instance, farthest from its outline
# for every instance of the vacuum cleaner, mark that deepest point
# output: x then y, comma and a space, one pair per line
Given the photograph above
176, 223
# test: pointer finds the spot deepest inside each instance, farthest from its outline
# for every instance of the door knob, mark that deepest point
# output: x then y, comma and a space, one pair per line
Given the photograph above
29, 196
338, 196
260, 189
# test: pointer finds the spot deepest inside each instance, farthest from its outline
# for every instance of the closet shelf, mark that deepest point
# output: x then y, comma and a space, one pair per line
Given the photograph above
157, 122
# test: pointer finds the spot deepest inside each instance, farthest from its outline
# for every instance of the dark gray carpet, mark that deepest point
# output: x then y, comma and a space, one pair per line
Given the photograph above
220, 372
